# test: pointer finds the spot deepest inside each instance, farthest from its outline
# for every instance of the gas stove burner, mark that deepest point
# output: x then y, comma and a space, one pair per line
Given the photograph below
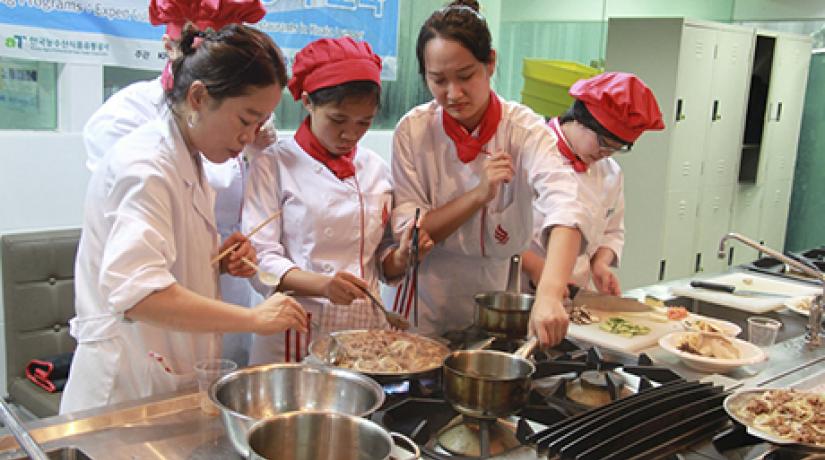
596, 388
478, 438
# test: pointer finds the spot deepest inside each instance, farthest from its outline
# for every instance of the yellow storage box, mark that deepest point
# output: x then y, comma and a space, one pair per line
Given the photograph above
546, 83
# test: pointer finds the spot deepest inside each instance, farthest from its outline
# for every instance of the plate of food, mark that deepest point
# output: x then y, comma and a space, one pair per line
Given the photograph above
711, 352
801, 305
781, 415
383, 353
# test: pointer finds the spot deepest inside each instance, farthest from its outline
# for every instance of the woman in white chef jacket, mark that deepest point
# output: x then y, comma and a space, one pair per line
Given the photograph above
146, 288
143, 101
334, 239
610, 112
473, 163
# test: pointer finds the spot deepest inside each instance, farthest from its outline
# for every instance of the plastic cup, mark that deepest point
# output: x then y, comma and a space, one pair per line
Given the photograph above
207, 371
762, 331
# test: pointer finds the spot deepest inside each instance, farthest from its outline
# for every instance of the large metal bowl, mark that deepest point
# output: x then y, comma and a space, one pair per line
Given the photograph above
255, 393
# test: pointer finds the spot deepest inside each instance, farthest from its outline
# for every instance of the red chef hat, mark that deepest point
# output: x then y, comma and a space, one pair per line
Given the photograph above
331, 61
203, 13
621, 102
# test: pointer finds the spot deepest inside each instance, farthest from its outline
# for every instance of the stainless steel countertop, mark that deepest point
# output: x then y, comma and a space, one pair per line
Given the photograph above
174, 427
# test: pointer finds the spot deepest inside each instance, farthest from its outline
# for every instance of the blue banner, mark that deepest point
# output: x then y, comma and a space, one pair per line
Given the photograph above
118, 32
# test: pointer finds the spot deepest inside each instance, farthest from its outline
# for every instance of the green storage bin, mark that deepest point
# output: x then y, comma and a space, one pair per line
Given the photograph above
546, 83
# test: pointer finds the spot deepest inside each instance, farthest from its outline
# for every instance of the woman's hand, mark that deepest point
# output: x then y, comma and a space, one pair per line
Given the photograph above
605, 280
266, 134
425, 244
498, 168
345, 287
233, 263
548, 321
277, 314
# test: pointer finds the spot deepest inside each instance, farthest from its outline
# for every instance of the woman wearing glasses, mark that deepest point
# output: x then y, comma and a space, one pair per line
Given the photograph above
610, 112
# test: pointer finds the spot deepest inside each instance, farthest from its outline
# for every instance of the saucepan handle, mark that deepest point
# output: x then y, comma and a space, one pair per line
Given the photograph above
409, 442
528, 347
514, 276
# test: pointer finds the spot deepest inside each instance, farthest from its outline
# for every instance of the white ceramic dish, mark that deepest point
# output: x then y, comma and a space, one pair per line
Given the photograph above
750, 354
797, 305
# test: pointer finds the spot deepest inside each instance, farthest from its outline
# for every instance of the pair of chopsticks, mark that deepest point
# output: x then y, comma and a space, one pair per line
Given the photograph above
255, 230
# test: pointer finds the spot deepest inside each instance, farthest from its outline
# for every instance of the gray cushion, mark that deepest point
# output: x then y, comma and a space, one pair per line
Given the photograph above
38, 301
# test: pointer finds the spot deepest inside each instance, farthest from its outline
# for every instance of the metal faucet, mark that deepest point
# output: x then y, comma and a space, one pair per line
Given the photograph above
815, 314
27, 443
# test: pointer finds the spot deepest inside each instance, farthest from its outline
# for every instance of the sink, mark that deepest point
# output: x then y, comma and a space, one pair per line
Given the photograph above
63, 453
793, 324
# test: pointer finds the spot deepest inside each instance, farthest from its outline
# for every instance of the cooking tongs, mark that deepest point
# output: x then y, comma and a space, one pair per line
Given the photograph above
408, 292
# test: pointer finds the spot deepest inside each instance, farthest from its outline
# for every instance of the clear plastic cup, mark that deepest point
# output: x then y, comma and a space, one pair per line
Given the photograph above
762, 331
207, 371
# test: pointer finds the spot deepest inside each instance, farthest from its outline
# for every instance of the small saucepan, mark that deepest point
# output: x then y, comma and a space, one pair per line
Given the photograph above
488, 384
315, 435
505, 313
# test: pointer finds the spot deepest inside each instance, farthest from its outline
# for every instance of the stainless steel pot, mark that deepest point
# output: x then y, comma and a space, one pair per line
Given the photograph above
320, 435
505, 313
488, 384
255, 393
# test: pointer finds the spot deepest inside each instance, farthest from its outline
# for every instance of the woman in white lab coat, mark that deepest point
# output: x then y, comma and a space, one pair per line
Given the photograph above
473, 163
143, 101
334, 240
146, 288
610, 112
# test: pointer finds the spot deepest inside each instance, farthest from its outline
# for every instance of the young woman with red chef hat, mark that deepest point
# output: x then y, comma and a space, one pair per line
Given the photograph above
334, 241
609, 114
474, 163
140, 102
145, 283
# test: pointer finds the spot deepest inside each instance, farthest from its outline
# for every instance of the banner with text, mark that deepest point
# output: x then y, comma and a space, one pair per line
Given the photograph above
118, 32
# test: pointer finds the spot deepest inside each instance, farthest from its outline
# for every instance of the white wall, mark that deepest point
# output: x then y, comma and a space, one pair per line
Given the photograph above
778, 10
598, 10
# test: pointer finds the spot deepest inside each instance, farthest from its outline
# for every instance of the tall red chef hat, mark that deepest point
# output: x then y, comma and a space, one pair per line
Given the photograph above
621, 102
203, 13
332, 61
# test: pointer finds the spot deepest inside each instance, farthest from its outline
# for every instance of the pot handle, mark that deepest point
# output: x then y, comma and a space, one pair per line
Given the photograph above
410, 443
528, 347
514, 276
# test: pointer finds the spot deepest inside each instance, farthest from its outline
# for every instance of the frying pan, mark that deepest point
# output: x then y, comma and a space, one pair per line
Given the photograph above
318, 349
736, 401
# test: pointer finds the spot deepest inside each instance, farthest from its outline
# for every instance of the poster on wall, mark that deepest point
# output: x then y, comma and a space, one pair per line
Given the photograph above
118, 32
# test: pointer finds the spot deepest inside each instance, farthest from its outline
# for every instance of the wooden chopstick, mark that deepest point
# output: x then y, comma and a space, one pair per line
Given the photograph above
248, 236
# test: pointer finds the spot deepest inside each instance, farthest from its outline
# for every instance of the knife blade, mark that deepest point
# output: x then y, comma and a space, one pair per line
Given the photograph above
731, 289
604, 302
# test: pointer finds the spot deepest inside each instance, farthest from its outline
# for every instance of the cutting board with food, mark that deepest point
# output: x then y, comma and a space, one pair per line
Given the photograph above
632, 331
753, 294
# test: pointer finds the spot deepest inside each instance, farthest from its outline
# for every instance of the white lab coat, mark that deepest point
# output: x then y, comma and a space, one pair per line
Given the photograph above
427, 174
148, 223
601, 190
328, 225
133, 107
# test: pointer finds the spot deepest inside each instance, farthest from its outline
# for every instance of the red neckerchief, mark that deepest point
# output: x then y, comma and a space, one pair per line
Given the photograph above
467, 146
578, 165
340, 165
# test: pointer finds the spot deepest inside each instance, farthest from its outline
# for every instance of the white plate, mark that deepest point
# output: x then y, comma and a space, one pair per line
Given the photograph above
795, 305
750, 354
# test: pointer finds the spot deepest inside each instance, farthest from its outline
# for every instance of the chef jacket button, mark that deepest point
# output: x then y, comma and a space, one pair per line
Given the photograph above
328, 268
328, 232
318, 169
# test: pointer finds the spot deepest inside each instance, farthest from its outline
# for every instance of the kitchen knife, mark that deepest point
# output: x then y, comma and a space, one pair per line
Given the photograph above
604, 302
731, 289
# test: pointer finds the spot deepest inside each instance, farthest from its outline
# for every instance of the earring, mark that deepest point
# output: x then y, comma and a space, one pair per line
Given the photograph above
192, 120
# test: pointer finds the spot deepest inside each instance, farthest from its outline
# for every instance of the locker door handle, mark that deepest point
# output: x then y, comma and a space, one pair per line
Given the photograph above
778, 111
679, 110
716, 116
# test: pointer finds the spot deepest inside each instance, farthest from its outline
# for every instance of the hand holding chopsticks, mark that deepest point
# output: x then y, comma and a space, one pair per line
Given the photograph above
255, 230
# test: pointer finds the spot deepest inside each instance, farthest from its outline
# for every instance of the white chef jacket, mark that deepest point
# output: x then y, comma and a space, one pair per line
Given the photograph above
148, 223
133, 107
328, 225
601, 189
427, 174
